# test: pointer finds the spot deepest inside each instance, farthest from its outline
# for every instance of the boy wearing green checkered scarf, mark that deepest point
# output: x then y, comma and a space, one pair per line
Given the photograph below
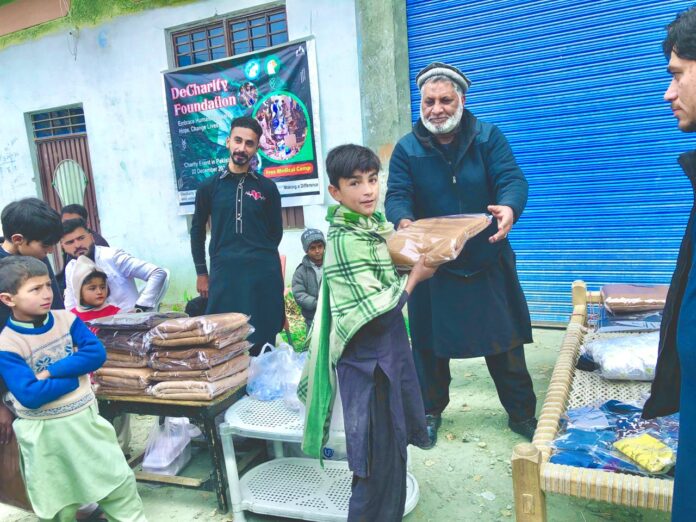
359, 334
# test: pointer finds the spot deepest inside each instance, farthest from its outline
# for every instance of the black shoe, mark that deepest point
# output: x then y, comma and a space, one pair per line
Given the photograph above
432, 424
526, 428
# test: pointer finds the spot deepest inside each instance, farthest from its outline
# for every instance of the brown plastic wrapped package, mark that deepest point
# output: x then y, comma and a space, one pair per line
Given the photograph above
211, 326
12, 489
126, 341
234, 365
124, 360
203, 340
197, 390
439, 239
195, 358
142, 321
628, 298
135, 378
127, 392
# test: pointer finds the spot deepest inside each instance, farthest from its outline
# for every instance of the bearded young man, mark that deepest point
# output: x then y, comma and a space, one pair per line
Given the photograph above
453, 163
674, 387
246, 229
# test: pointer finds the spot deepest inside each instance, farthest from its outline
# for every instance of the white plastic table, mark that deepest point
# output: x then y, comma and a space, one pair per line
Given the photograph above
287, 487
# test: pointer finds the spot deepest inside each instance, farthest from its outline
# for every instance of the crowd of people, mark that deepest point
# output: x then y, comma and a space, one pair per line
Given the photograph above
394, 390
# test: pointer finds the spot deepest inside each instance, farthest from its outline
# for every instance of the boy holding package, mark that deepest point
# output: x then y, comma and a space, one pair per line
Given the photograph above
359, 332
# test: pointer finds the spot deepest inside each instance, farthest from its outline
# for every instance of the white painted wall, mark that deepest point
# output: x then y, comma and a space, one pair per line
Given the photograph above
115, 74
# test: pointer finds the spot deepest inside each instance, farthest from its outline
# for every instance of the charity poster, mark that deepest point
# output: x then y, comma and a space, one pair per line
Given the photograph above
277, 87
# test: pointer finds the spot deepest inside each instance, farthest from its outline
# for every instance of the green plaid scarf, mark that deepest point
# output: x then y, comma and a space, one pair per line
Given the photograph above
359, 283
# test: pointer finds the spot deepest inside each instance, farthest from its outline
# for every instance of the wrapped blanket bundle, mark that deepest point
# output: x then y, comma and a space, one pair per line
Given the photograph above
180, 358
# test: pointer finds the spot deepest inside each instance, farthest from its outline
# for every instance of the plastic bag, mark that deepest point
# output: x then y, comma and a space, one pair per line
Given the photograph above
168, 447
295, 364
142, 321
235, 365
589, 436
648, 452
439, 239
632, 322
629, 357
129, 378
271, 372
194, 331
194, 358
631, 298
216, 340
197, 390
125, 341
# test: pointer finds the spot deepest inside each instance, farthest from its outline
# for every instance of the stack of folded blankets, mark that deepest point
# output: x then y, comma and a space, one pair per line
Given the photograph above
123, 335
198, 358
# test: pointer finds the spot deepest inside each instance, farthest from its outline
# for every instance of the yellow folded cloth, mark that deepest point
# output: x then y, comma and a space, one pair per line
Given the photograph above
647, 451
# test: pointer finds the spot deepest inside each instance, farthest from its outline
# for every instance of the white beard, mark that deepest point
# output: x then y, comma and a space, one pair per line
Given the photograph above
448, 126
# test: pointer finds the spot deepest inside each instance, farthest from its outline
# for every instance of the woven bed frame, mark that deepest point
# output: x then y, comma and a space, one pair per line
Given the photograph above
533, 475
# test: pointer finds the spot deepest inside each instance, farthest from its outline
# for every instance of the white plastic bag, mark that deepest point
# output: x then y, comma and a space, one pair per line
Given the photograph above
168, 447
275, 374
292, 371
263, 383
626, 358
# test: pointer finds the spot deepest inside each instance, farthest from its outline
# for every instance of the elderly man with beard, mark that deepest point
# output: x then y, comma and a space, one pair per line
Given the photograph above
246, 229
453, 163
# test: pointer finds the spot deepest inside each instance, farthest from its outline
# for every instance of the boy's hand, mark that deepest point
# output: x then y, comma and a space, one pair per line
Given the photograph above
5, 424
419, 272
43, 375
404, 223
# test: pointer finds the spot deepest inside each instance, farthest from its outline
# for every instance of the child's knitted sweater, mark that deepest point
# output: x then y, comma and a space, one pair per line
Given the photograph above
62, 345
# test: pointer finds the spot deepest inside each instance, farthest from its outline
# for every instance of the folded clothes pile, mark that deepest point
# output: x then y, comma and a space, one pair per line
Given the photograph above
198, 358
197, 390
123, 381
631, 307
124, 336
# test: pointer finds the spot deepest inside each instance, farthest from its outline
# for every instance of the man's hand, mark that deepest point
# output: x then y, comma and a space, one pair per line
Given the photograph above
505, 217
5, 424
43, 375
404, 223
202, 285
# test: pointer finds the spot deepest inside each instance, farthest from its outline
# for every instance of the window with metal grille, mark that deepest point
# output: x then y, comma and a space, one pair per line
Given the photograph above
58, 123
258, 30
232, 35
199, 45
229, 36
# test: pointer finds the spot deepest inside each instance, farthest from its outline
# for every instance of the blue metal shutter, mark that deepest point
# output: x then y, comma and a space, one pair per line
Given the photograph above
577, 88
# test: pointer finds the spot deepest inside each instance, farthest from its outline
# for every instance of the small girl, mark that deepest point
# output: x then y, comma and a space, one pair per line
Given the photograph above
90, 284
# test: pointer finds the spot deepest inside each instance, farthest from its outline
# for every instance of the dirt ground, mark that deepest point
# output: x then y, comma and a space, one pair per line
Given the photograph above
466, 477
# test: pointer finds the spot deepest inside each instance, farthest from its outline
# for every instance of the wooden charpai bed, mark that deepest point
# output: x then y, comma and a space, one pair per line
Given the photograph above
533, 475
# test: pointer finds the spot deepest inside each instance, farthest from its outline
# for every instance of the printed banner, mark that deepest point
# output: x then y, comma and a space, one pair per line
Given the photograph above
277, 87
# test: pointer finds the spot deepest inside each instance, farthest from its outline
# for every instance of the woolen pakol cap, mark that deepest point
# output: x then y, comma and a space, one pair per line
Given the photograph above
311, 235
442, 69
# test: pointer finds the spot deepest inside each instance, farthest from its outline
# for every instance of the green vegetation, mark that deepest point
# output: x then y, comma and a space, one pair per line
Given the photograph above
85, 13
298, 331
